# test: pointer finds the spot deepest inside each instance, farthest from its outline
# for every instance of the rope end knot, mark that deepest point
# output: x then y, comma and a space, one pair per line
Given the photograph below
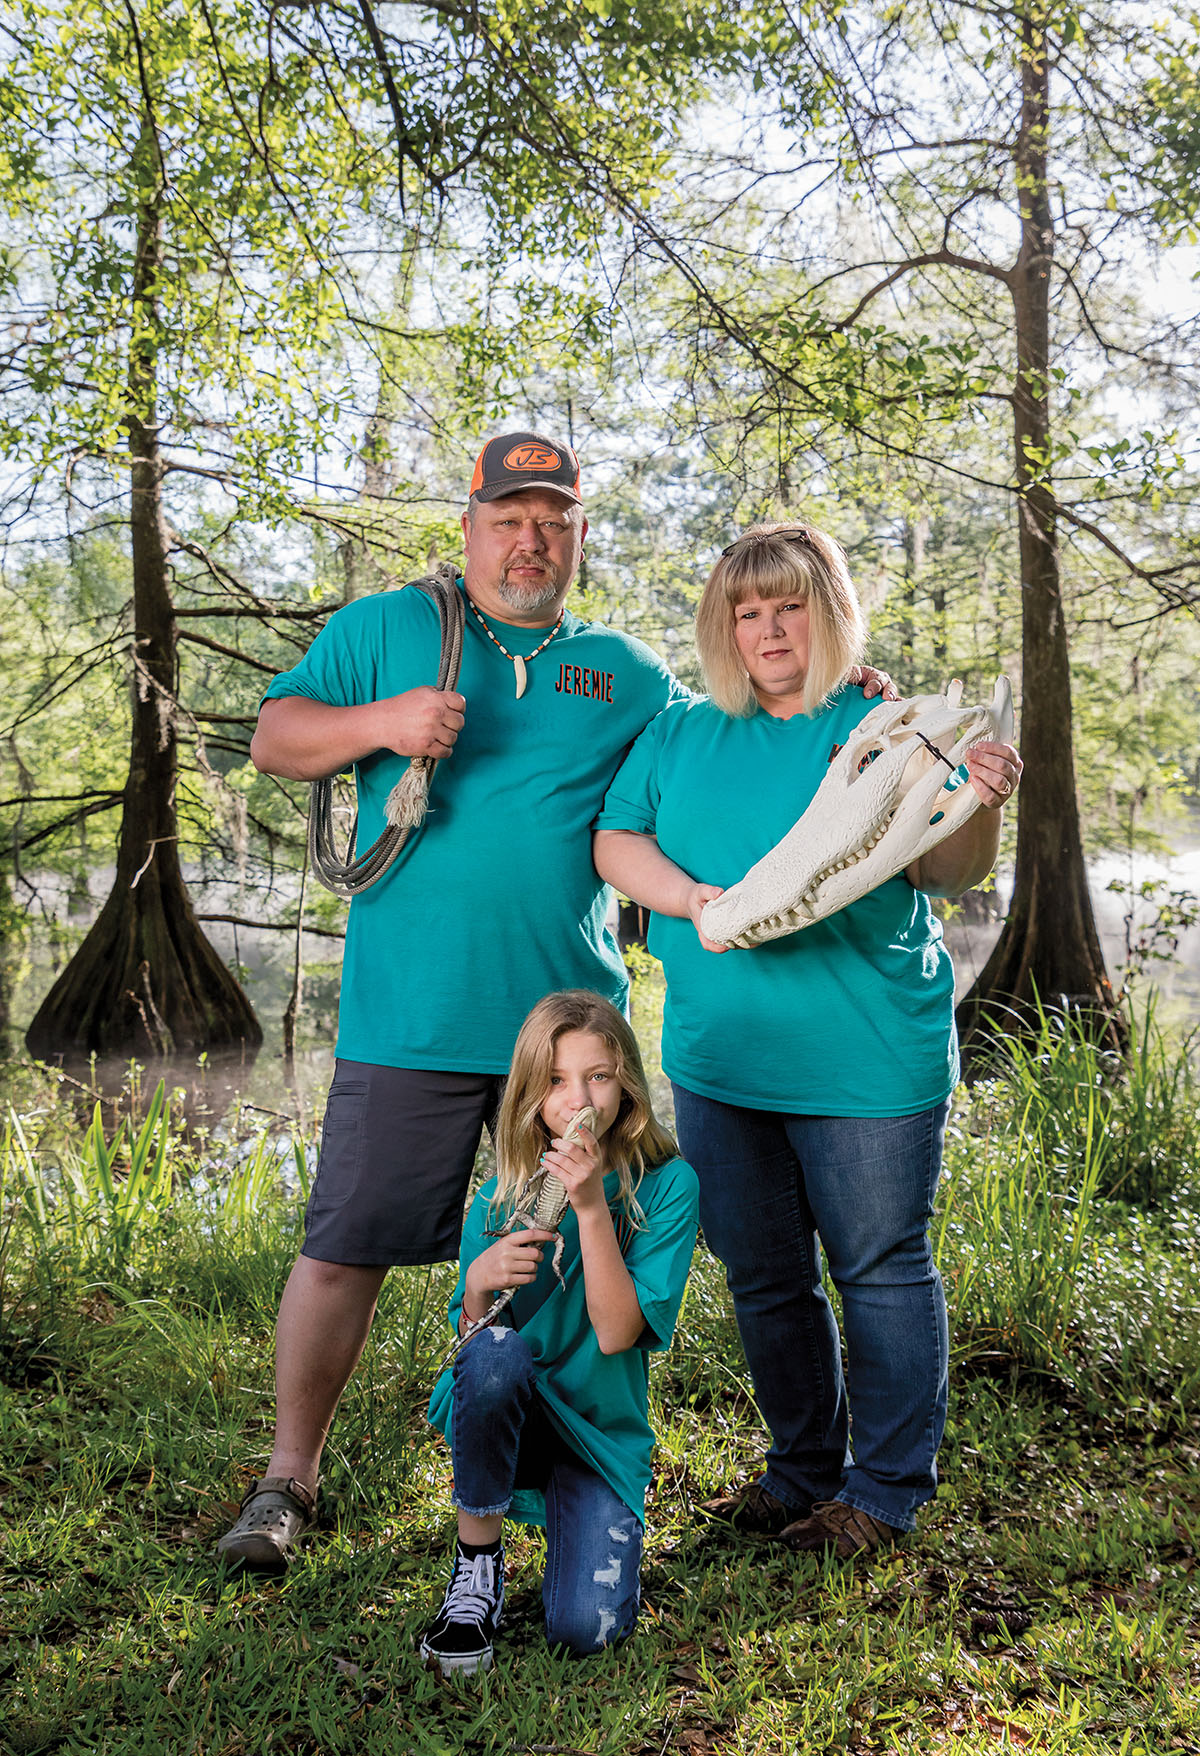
409, 798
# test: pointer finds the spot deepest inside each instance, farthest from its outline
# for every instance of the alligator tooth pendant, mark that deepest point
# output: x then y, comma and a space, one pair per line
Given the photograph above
519, 668
886, 799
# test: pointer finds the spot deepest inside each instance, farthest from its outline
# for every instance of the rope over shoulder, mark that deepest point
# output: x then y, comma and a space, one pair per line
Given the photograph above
408, 800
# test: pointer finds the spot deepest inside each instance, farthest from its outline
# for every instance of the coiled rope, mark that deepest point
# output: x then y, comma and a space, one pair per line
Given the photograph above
409, 798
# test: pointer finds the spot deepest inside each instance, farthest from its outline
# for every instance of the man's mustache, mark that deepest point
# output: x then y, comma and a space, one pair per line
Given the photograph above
530, 561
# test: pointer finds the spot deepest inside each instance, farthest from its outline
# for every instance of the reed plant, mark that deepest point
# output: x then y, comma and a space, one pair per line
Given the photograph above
1133, 1119
1015, 1227
95, 1214
1072, 1181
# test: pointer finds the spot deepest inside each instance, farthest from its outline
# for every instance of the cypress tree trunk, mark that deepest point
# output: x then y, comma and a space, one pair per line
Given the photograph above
7, 934
145, 978
1049, 949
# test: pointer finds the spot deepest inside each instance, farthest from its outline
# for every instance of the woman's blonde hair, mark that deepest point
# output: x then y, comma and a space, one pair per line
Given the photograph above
775, 561
635, 1143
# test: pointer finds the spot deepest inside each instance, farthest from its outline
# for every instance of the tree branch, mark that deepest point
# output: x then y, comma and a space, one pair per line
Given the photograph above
91, 810
228, 651
930, 259
62, 798
275, 926
1178, 597
393, 96
261, 613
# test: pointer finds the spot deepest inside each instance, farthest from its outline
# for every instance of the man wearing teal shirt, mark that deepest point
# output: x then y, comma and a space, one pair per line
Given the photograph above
493, 903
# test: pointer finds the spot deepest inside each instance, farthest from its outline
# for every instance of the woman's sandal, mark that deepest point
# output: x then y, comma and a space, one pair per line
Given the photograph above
276, 1511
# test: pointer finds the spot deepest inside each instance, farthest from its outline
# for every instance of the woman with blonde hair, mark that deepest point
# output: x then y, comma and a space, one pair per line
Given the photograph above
811, 1074
546, 1408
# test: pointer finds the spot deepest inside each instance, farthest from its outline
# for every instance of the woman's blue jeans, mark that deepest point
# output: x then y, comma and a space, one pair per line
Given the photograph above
591, 1588
776, 1190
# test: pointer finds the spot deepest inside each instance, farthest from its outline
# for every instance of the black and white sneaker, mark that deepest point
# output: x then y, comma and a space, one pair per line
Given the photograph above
461, 1634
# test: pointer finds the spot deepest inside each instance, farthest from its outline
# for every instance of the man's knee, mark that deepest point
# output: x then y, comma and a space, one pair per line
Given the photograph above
331, 1289
318, 1274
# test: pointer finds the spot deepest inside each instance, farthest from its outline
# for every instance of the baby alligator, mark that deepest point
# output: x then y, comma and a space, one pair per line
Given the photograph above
545, 1202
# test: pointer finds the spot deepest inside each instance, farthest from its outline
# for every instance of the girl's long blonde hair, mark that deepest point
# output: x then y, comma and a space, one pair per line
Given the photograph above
634, 1144
775, 561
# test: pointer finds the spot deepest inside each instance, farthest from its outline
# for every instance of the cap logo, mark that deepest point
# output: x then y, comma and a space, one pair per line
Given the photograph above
532, 457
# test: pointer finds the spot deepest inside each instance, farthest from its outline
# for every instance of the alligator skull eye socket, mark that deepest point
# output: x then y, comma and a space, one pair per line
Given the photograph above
865, 762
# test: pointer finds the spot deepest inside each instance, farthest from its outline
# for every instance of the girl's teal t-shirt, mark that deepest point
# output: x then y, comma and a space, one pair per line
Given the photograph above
850, 1017
596, 1401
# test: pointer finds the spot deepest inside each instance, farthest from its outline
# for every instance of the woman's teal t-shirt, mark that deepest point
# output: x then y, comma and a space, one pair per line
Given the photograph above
596, 1401
850, 1017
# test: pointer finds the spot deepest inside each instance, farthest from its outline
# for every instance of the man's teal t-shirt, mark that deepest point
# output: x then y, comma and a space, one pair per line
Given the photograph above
597, 1402
850, 1017
494, 901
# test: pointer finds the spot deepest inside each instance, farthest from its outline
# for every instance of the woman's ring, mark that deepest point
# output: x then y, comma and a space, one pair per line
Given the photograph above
1004, 786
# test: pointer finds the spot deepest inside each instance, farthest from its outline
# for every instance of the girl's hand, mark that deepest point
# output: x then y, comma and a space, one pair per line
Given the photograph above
512, 1261
697, 897
579, 1166
995, 771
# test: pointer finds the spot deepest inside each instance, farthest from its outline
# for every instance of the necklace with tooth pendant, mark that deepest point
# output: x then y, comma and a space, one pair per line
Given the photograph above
518, 662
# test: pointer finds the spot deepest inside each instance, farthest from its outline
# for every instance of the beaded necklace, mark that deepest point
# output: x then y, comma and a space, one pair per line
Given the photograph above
518, 663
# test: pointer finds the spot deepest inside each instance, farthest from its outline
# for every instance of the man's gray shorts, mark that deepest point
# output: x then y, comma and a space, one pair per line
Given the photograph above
397, 1150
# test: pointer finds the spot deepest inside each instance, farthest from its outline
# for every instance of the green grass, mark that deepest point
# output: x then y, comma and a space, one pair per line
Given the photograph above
1049, 1601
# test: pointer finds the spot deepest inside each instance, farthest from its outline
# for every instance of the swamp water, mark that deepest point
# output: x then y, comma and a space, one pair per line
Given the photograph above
237, 1094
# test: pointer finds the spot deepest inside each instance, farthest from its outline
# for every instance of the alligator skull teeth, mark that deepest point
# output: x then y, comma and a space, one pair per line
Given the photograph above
886, 800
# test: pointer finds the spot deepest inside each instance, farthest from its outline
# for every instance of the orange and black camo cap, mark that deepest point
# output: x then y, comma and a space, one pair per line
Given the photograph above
515, 461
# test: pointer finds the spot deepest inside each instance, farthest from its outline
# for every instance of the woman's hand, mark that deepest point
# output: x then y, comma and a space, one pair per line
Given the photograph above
995, 771
696, 898
512, 1261
872, 683
579, 1166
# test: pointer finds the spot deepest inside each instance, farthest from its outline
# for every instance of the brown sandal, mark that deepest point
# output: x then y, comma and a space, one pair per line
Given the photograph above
276, 1511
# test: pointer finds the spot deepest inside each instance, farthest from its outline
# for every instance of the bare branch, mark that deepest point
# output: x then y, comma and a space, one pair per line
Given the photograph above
930, 259
228, 651
262, 612
393, 96
62, 798
1178, 596
275, 926
73, 817
222, 719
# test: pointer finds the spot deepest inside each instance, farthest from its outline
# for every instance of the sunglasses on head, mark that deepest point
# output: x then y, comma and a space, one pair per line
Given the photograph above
760, 537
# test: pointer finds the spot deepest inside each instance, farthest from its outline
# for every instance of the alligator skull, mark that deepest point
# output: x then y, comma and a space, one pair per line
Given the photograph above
897, 787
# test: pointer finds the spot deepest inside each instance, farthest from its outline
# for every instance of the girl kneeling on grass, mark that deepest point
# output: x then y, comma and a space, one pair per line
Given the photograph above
545, 1410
